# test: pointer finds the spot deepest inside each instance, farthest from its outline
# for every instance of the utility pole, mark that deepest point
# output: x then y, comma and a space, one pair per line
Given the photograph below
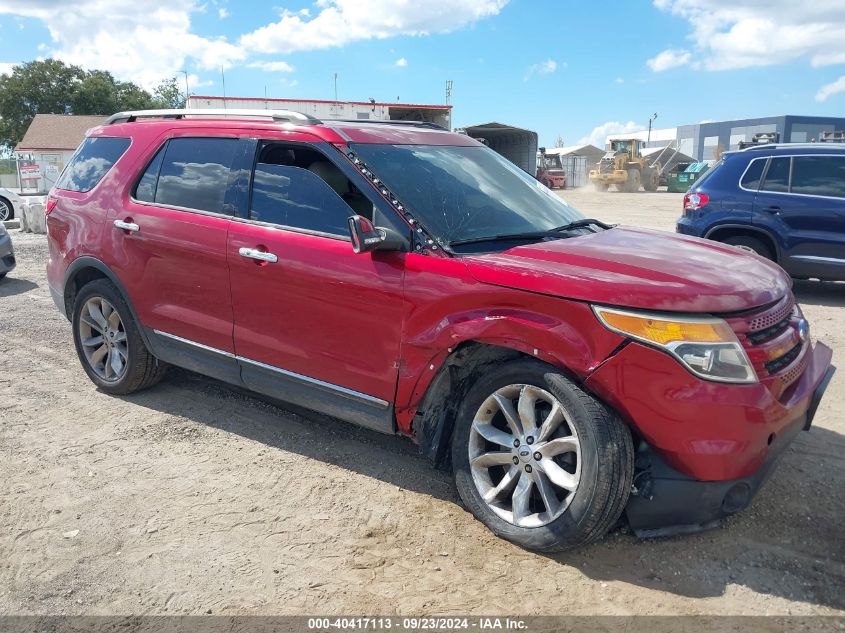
448, 92
187, 94
223, 77
335, 87
651, 119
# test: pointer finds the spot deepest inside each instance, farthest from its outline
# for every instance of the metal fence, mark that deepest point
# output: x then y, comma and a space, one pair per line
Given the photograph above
29, 175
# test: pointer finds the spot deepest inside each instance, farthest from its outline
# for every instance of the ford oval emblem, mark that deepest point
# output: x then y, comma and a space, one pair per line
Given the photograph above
803, 330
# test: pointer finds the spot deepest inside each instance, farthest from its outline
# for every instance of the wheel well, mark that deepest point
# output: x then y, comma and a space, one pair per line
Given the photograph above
82, 277
435, 418
720, 235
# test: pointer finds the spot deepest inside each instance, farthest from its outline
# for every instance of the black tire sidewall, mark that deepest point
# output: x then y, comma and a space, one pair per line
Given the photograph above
106, 290
10, 207
568, 530
754, 243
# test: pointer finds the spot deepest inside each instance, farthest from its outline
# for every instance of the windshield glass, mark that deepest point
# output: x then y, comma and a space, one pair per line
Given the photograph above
461, 193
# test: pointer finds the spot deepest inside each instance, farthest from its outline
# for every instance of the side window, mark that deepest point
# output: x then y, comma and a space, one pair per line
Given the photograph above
819, 175
91, 162
751, 178
777, 176
296, 186
298, 198
194, 173
145, 190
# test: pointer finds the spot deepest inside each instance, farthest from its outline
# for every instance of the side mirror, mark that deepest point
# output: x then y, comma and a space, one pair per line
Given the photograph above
366, 237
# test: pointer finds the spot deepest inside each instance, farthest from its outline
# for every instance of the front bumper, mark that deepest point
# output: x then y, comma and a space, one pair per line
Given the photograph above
665, 502
707, 447
7, 255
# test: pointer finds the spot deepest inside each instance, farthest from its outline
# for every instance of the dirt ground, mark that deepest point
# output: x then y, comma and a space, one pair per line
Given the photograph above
193, 498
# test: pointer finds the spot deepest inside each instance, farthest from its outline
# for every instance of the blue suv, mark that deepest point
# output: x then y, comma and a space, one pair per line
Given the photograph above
785, 202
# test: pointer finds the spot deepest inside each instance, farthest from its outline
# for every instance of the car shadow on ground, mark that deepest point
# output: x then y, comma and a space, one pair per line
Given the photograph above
766, 541
822, 293
11, 286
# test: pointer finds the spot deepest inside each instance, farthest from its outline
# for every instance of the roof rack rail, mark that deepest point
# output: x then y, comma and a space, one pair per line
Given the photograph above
753, 148
425, 124
287, 116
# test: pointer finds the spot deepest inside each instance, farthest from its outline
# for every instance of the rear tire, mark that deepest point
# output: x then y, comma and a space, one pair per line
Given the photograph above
632, 185
750, 243
586, 459
108, 342
651, 180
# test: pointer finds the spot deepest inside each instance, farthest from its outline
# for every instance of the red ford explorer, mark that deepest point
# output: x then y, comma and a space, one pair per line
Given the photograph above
412, 281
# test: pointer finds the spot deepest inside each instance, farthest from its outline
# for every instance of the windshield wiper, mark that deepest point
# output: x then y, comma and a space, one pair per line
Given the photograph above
580, 224
534, 235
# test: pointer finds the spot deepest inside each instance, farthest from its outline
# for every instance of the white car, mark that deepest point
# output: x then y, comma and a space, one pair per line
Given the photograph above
10, 204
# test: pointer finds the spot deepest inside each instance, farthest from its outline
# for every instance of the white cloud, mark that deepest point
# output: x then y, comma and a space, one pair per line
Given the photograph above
828, 90
340, 22
223, 13
600, 133
195, 82
543, 68
6, 67
670, 58
273, 67
619, 80
729, 34
143, 42
401, 63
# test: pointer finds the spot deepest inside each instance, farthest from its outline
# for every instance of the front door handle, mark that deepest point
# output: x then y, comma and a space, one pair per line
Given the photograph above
127, 226
774, 210
254, 253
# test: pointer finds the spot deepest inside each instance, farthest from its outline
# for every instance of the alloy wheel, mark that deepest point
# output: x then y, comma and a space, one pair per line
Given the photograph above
5, 210
524, 455
103, 339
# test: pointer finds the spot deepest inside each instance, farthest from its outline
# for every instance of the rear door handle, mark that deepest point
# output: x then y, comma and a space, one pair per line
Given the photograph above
774, 209
127, 226
254, 253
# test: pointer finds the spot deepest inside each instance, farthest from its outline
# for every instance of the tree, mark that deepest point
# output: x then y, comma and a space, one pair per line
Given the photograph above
53, 87
34, 87
167, 95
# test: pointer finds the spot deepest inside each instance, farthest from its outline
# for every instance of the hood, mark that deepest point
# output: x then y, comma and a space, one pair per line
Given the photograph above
637, 268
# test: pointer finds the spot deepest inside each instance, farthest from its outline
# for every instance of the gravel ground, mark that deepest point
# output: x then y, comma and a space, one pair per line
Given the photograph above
194, 498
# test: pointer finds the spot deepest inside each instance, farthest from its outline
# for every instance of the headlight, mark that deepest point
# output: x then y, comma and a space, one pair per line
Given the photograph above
706, 346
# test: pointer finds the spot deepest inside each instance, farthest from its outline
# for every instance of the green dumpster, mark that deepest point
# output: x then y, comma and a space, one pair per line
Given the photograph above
681, 181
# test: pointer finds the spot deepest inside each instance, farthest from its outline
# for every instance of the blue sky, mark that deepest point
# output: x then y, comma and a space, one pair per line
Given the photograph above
564, 68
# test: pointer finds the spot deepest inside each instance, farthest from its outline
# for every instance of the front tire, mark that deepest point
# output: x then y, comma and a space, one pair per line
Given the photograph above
632, 185
108, 342
538, 460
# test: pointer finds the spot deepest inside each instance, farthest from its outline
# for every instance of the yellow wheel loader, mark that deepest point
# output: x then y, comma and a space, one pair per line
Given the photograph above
623, 165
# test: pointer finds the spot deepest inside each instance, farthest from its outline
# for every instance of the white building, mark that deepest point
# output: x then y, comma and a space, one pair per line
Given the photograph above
357, 110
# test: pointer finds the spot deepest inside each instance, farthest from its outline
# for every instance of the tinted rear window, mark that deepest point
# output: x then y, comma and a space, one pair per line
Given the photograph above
777, 176
819, 175
91, 162
751, 178
194, 173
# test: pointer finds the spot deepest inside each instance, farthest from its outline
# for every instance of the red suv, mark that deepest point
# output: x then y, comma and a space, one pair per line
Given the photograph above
411, 280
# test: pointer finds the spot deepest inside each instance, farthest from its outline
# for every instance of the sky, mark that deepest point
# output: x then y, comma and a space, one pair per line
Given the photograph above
569, 69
